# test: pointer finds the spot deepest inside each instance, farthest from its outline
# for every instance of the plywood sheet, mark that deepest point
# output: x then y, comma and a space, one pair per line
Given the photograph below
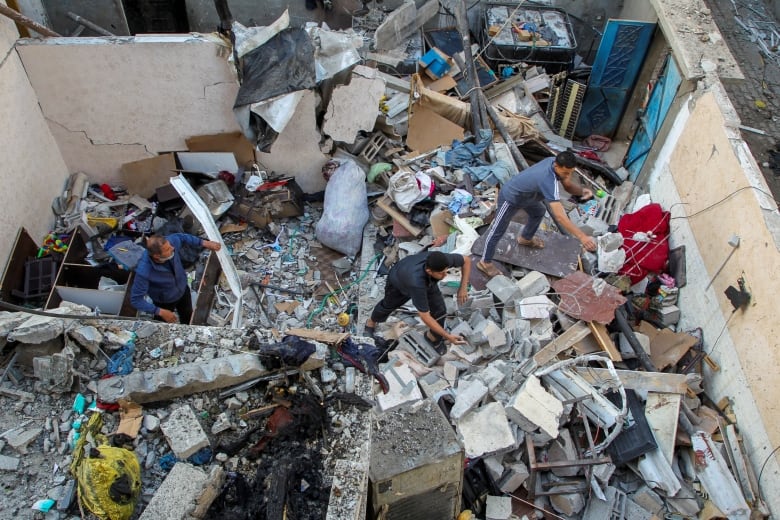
145, 176
558, 258
429, 130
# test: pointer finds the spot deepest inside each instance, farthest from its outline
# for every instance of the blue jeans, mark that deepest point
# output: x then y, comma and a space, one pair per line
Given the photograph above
505, 210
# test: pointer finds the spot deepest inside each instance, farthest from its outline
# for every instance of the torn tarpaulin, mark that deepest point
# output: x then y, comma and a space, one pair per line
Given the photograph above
282, 65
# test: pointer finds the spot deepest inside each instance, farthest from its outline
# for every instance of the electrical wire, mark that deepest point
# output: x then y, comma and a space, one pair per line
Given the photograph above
721, 201
758, 484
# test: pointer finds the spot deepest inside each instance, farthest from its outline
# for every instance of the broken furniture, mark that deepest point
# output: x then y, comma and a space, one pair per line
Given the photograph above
274, 199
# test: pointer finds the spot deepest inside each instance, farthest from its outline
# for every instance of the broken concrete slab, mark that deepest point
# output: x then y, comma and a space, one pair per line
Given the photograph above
54, 373
402, 22
184, 433
498, 508
485, 431
38, 329
568, 504
20, 439
8, 463
533, 284
468, 395
514, 477
533, 407
186, 493
535, 307
87, 337
167, 383
354, 107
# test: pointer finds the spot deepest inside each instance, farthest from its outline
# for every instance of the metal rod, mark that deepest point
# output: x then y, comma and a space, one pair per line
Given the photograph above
19, 18
90, 25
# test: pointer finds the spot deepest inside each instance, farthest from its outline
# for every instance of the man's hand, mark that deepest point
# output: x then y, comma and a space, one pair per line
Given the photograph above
211, 245
463, 295
167, 315
455, 340
586, 194
588, 243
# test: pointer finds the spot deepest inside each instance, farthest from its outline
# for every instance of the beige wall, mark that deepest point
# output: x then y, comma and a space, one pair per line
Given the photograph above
32, 169
111, 101
706, 177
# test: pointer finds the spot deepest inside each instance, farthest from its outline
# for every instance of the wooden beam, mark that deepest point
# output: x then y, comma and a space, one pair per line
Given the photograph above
636, 380
331, 338
565, 341
385, 204
599, 331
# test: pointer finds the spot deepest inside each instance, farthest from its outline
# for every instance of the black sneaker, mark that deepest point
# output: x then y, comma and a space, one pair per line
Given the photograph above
438, 346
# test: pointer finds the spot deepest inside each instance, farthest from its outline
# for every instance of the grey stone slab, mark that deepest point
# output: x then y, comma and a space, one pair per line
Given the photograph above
8, 463
168, 383
557, 258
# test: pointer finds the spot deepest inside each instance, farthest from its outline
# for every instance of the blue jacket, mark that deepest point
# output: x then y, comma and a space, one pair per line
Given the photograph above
164, 283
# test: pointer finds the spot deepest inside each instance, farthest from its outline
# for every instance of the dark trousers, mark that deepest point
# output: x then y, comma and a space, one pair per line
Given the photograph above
394, 299
505, 210
183, 306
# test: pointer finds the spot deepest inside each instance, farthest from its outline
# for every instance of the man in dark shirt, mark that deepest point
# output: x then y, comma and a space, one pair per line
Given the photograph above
416, 277
526, 191
161, 275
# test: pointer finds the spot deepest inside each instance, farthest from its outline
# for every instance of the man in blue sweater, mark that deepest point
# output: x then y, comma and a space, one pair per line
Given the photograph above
526, 191
161, 275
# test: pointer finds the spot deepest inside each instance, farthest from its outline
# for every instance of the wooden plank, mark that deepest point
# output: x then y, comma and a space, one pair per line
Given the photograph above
636, 380
385, 204
599, 331
563, 342
738, 463
661, 412
331, 338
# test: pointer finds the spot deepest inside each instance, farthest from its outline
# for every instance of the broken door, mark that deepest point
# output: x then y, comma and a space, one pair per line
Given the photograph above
615, 69
650, 123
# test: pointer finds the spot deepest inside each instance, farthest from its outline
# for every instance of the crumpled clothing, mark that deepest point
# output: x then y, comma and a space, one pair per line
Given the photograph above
492, 174
460, 200
467, 154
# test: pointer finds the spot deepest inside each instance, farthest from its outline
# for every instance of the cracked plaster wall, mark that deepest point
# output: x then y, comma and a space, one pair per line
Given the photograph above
32, 169
703, 162
112, 101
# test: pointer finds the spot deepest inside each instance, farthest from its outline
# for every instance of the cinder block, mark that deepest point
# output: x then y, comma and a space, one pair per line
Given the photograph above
514, 477
536, 307
432, 384
185, 379
668, 315
494, 467
505, 289
533, 284
469, 394
184, 433
414, 343
491, 376
186, 493
498, 508
533, 405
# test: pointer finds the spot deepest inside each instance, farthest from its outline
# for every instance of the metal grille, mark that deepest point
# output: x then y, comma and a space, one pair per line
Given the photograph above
565, 105
440, 503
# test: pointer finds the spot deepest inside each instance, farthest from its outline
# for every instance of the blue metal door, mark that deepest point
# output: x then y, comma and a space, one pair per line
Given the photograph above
615, 69
658, 106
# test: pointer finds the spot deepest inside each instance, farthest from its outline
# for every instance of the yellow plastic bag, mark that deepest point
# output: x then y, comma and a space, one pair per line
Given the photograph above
109, 478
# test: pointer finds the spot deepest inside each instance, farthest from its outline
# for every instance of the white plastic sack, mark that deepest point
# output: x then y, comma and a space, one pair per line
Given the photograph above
345, 210
407, 188
610, 253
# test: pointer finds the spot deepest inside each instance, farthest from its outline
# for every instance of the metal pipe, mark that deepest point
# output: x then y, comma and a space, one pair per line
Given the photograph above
88, 24
19, 18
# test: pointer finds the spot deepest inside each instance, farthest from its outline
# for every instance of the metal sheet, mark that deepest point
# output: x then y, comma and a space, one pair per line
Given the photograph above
202, 213
558, 257
616, 67
658, 106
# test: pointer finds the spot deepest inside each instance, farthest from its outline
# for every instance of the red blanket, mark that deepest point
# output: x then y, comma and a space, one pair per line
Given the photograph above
645, 257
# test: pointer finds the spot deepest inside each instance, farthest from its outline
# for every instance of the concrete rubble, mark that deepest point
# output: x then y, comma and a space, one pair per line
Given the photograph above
534, 405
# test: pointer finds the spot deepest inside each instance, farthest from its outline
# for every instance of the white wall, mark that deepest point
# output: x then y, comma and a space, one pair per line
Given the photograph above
32, 169
704, 176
